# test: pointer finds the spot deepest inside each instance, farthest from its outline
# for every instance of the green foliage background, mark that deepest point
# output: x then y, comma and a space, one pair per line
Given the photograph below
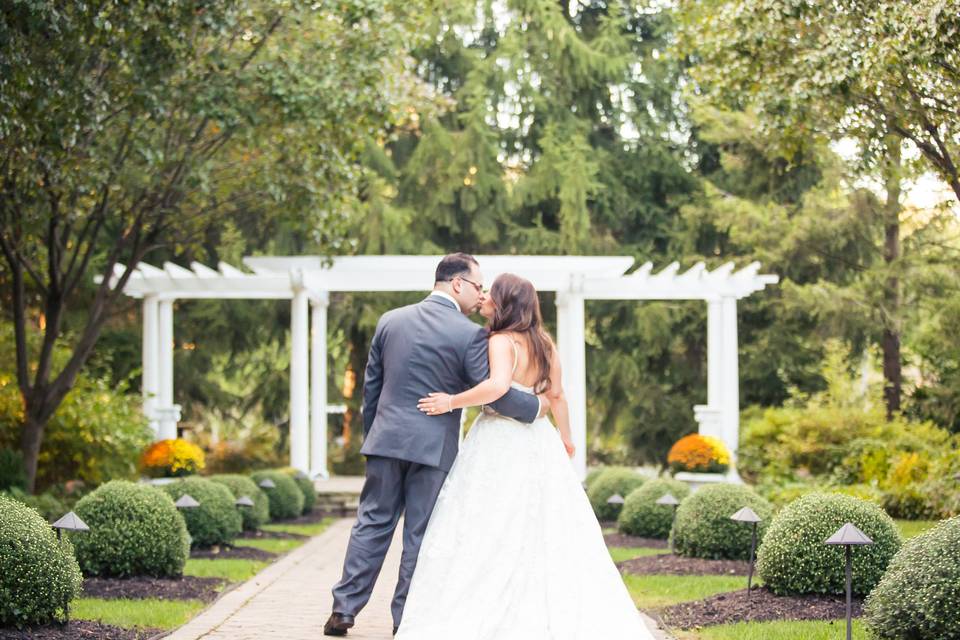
531, 126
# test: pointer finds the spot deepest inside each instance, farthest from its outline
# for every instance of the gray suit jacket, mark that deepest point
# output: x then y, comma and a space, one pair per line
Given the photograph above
424, 347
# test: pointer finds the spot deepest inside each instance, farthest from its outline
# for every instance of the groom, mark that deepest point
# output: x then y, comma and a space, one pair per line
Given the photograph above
424, 347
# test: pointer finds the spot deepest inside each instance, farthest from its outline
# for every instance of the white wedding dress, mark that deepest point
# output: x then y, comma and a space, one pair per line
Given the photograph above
513, 550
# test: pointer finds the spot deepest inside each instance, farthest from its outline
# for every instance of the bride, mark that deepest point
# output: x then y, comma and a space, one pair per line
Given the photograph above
513, 550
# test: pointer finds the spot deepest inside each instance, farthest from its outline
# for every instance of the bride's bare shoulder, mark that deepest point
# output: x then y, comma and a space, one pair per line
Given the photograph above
500, 339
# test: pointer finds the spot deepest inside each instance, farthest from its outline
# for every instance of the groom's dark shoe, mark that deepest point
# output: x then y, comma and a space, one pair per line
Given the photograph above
337, 624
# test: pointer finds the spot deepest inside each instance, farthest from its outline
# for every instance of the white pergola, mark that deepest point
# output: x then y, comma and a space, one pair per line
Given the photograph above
308, 281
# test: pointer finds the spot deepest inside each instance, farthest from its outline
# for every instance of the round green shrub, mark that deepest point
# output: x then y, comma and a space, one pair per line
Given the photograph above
286, 499
919, 594
613, 480
794, 560
253, 517
38, 574
46, 504
217, 520
593, 474
306, 486
134, 531
642, 516
703, 528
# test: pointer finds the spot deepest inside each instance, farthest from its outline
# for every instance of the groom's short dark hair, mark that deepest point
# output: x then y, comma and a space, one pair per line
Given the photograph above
453, 265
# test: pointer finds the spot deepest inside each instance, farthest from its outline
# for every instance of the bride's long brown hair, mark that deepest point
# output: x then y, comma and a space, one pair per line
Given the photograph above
518, 311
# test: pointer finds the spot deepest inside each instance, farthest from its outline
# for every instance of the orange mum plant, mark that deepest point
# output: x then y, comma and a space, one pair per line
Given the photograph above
172, 458
702, 454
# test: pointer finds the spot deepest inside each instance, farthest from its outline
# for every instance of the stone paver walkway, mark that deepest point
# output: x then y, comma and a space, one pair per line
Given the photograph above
291, 598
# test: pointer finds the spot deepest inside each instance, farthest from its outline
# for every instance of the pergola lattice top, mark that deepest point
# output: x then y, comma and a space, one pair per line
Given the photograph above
593, 277
308, 280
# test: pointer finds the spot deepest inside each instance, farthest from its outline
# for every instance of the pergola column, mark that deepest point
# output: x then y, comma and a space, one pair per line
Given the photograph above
299, 381
150, 377
572, 347
730, 422
318, 386
168, 412
710, 416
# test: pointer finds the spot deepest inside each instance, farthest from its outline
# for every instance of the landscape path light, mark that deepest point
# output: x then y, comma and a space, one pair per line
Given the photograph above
668, 500
848, 535
749, 516
244, 501
69, 522
267, 483
186, 501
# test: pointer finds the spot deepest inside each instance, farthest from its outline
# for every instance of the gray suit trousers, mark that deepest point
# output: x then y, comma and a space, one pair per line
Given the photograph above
392, 487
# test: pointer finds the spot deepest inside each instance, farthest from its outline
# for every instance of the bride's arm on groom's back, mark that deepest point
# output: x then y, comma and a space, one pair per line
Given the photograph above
492, 388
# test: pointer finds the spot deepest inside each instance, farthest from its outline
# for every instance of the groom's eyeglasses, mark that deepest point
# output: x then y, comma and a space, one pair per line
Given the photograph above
478, 287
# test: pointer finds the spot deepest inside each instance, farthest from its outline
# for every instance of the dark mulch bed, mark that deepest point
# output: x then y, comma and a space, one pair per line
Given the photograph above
78, 630
758, 606
185, 588
243, 553
670, 564
621, 540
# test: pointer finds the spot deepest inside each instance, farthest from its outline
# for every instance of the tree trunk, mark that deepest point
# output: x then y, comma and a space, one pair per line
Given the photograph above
31, 436
892, 375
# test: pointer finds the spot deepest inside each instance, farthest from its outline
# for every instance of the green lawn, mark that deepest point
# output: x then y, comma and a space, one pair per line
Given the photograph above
273, 545
650, 592
912, 528
230, 569
313, 529
149, 612
780, 630
619, 554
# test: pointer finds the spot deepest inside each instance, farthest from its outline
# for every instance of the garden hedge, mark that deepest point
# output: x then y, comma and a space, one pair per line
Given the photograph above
38, 574
794, 560
614, 480
134, 531
642, 516
919, 595
703, 528
253, 517
217, 520
286, 499
306, 486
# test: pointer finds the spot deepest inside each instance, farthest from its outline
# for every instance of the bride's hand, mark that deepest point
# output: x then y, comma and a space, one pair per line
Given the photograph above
436, 403
569, 447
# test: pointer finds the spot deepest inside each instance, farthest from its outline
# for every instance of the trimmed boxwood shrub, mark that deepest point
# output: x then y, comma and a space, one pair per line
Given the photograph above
611, 481
217, 520
134, 531
593, 474
919, 595
794, 560
306, 486
253, 517
46, 504
703, 528
286, 499
37, 574
642, 516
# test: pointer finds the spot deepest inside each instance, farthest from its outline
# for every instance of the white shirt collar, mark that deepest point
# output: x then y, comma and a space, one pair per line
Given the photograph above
447, 296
